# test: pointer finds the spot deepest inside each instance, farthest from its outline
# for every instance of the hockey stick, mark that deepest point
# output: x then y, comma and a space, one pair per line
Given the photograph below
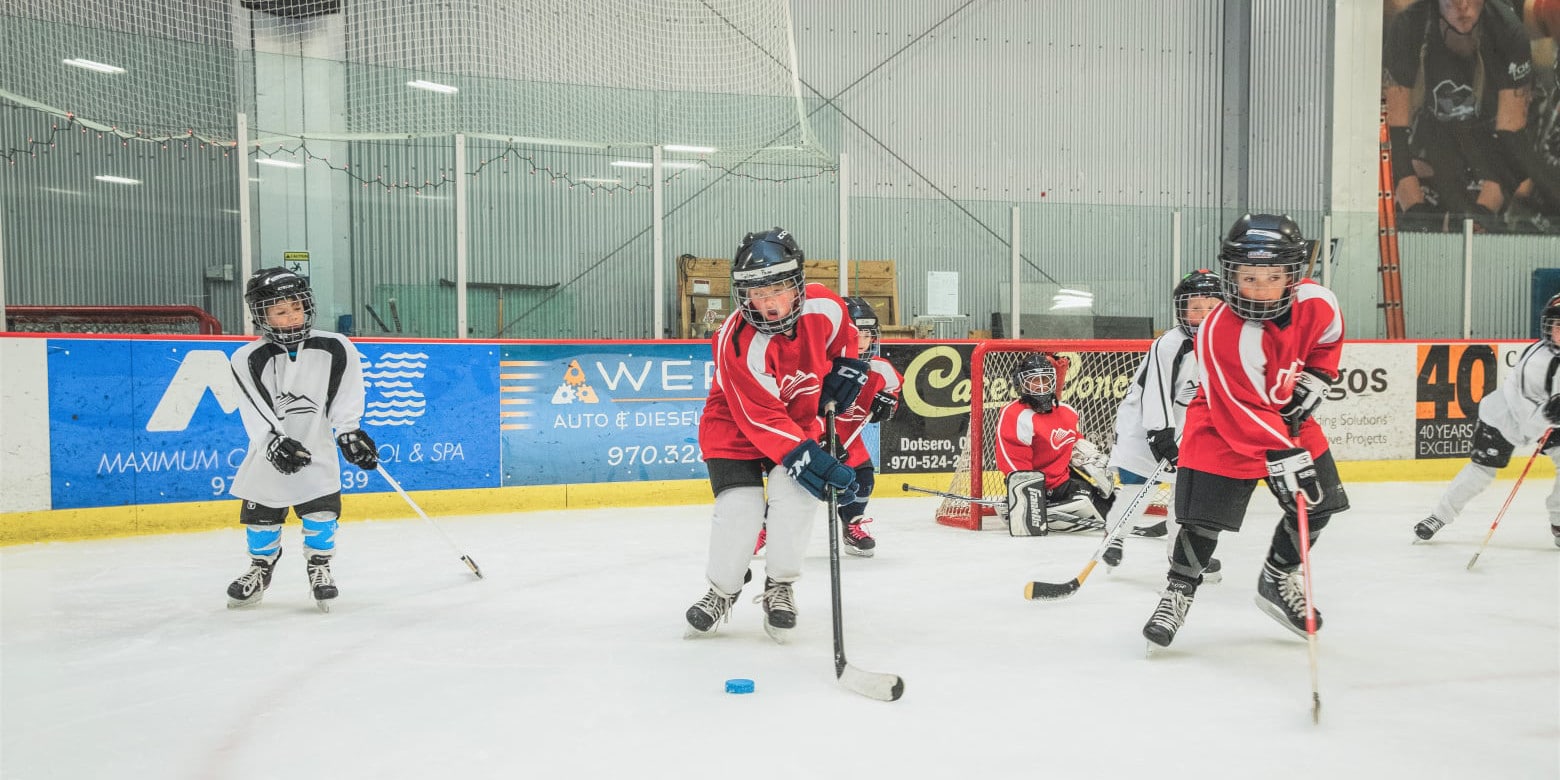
909, 488
874, 685
1050, 591
395, 315
383, 328
424, 515
1542, 440
1310, 604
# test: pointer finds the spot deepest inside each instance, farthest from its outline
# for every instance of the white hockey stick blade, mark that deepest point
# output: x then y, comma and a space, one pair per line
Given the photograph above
873, 685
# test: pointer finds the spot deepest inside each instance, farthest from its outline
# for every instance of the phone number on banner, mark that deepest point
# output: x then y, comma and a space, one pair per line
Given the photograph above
650, 453
898, 462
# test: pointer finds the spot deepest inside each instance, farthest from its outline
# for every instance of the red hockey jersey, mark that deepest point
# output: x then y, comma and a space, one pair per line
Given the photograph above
764, 400
1029, 441
883, 379
1247, 371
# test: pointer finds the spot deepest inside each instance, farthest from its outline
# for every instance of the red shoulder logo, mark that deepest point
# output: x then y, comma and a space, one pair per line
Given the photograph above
1061, 437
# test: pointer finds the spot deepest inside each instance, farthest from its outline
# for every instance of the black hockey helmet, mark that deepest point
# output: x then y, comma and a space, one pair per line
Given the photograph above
1035, 381
1547, 320
765, 259
866, 321
270, 286
1201, 283
1265, 241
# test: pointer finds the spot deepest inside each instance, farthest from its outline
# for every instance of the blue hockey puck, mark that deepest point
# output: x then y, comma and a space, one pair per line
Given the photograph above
739, 685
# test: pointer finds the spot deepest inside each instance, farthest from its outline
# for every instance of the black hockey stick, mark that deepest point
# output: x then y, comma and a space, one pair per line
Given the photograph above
874, 685
909, 488
395, 315
383, 328
424, 515
1050, 591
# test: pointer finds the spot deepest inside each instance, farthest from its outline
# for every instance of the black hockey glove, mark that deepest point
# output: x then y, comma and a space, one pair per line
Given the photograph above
818, 471
1291, 472
844, 382
1310, 388
287, 455
359, 450
1552, 410
1162, 444
884, 404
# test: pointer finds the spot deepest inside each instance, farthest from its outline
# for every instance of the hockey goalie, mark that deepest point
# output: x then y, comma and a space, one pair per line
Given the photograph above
1056, 479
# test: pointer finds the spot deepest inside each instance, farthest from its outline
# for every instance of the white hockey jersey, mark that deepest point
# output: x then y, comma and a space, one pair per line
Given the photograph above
304, 395
1165, 383
1516, 408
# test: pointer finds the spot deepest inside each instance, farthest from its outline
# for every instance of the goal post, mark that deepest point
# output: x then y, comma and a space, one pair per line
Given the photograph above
1094, 382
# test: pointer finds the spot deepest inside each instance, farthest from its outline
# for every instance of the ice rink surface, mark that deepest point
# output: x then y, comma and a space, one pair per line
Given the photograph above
120, 659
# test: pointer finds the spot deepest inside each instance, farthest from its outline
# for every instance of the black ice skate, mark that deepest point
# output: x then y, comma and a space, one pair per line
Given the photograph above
320, 581
1281, 594
779, 610
250, 586
1555, 529
1214, 573
1426, 528
1155, 531
1113, 551
1174, 603
858, 541
708, 613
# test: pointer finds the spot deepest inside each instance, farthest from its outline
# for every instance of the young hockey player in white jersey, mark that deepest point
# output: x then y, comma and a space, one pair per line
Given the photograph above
1150, 418
299, 384
1516, 415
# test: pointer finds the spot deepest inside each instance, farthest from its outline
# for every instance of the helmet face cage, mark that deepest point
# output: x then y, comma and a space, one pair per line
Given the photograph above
270, 287
1263, 242
1547, 320
1035, 382
765, 260
1197, 284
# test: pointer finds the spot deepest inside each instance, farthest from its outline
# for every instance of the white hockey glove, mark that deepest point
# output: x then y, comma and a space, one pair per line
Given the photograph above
1091, 466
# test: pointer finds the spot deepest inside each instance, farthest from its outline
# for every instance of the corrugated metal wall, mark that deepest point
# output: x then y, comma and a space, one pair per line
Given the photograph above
1503, 266
1290, 105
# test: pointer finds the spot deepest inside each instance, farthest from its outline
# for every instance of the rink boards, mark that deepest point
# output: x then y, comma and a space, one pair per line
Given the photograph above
122, 435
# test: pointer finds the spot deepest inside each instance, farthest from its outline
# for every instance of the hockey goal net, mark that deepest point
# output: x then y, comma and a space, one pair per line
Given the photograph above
112, 319
1093, 382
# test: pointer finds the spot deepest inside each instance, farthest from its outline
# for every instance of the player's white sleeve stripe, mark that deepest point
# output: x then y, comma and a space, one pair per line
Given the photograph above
1026, 426
1026, 434
885, 370
1224, 385
1334, 330
827, 308
755, 367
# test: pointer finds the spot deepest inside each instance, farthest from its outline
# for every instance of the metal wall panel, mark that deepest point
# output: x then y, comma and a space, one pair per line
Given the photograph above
1290, 104
1433, 273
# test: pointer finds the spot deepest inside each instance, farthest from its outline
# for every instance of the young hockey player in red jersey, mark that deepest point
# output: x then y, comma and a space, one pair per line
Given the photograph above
1266, 357
1525, 405
785, 356
299, 385
1038, 445
876, 403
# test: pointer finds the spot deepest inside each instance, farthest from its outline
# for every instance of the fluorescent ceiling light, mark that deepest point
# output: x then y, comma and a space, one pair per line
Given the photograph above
1079, 293
229, 211
98, 67
116, 179
432, 86
277, 163
686, 148
58, 191
664, 164
597, 180
430, 197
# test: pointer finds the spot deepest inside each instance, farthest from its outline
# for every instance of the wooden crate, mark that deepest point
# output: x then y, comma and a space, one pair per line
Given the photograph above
704, 289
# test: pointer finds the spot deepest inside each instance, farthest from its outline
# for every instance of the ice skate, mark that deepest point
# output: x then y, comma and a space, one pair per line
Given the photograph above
779, 610
1427, 527
1174, 603
320, 581
1113, 552
1281, 594
249, 588
1555, 529
858, 541
1213, 573
709, 612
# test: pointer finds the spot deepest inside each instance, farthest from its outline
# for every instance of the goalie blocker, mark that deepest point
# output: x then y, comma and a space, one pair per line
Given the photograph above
1032, 512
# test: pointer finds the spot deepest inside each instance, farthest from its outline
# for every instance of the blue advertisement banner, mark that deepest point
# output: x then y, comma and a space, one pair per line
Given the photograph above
572, 413
151, 421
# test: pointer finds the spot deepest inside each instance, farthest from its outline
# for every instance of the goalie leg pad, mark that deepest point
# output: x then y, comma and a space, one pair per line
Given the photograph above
1026, 508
